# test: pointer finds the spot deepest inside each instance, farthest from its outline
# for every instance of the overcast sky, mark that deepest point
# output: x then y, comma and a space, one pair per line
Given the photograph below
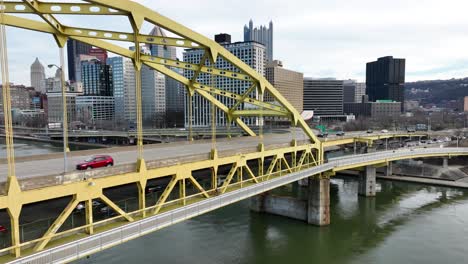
333, 38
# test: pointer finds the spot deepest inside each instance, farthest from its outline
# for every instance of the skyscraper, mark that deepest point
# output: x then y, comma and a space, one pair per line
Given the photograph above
153, 90
252, 53
289, 83
97, 78
97, 103
385, 79
74, 50
174, 94
38, 76
262, 35
119, 77
323, 96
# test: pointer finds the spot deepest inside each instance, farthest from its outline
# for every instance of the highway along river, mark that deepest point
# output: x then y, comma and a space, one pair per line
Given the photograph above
405, 223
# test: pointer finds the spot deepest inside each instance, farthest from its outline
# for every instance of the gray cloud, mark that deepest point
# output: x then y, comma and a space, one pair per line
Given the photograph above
321, 38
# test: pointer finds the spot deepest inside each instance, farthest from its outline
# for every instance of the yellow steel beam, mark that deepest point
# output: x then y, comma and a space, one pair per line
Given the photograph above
244, 96
250, 173
337, 142
165, 194
287, 165
89, 216
116, 208
57, 8
272, 166
229, 177
257, 112
56, 225
198, 186
196, 67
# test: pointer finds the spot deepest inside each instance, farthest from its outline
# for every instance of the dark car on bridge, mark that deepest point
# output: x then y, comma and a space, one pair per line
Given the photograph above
96, 162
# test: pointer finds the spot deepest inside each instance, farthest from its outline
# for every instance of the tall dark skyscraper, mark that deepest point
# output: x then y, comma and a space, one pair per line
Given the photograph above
385, 79
97, 78
263, 35
74, 50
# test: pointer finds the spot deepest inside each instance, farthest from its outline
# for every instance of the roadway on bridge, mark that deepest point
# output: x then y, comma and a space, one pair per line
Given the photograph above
52, 164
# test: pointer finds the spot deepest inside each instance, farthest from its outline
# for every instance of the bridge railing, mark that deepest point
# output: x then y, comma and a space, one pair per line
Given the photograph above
395, 154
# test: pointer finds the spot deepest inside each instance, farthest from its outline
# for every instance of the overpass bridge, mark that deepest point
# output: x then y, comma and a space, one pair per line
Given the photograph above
250, 166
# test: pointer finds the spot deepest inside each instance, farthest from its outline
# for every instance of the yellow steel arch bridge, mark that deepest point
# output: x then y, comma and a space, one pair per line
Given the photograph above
254, 169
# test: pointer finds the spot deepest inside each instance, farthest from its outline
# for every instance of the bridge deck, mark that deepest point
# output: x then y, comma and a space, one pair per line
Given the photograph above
31, 171
42, 170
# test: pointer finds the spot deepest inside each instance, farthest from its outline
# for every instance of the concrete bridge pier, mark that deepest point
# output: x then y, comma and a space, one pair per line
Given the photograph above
318, 209
445, 164
315, 210
367, 182
389, 169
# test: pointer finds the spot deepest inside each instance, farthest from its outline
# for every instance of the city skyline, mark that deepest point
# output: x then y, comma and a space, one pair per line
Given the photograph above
432, 41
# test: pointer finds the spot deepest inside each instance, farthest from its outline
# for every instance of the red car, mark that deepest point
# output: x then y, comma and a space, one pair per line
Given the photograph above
3, 229
96, 162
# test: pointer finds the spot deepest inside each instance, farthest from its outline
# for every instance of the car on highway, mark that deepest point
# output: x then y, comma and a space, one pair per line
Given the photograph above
80, 207
370, 131
322, 135
96, 162
340, 133
3, 230
153, 189
384, 131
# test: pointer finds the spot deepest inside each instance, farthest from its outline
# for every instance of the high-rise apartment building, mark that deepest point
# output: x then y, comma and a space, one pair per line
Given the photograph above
153, 91
174, 91
289, 83
74, 50
263, 35
354, 91
38, 76
96, 77
385, 79
252, 53
323, 96
123, 73
123, 78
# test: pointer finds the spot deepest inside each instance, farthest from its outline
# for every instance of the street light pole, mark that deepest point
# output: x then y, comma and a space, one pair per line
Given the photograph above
64, 111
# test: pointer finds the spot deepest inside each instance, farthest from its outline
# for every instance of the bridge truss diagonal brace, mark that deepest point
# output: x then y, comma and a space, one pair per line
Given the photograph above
229, 178
272, 167
165, 194
250, 173
56, 225
116, 208
198, 186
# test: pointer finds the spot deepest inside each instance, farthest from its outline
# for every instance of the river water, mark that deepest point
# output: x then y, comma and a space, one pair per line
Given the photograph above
405, 223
